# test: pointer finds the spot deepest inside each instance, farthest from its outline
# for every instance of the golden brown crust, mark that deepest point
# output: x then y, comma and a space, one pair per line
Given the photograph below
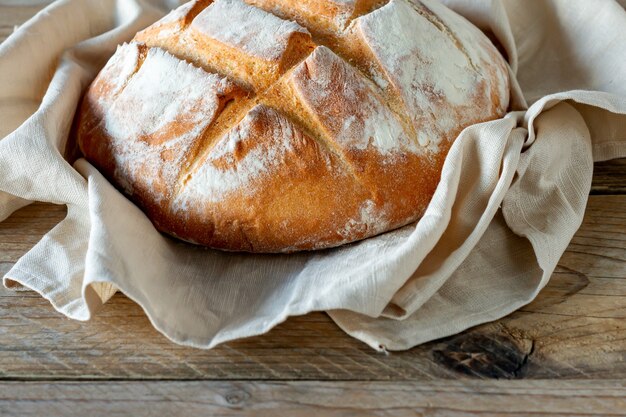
279, 137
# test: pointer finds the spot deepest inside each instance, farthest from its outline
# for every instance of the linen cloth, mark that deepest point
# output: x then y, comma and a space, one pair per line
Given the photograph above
512, 193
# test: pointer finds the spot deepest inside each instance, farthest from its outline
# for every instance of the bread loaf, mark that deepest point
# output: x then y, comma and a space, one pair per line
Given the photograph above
285, 125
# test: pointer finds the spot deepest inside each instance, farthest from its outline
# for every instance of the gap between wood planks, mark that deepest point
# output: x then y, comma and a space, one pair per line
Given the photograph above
449, 398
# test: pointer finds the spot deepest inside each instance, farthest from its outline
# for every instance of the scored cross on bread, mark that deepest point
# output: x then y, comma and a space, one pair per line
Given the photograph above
285, 125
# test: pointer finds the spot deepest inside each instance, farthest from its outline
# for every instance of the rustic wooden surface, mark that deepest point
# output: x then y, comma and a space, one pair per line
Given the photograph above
297, 399
564, 354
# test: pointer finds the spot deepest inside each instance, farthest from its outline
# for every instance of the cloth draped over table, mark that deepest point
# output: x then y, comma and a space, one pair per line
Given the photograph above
513, 191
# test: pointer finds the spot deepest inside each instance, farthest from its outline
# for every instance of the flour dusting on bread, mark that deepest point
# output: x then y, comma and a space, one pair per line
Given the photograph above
118, 71
283, 125
257, 33
160, 112
347, 106
165, 100
228, 169
370, 220
434, 77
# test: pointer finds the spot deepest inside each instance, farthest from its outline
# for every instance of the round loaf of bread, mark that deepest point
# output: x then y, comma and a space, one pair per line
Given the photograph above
286, 125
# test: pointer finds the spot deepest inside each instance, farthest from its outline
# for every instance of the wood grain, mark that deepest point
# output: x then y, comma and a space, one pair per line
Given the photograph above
575, 328
300, 399
609, 177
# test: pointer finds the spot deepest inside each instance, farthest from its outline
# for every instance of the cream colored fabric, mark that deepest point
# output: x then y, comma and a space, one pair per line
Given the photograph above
513, 191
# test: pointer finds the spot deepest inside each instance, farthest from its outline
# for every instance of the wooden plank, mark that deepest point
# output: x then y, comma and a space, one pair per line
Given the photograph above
609, 177
575, 329
299, 399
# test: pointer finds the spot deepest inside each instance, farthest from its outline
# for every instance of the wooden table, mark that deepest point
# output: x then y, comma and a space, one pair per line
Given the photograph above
563, 354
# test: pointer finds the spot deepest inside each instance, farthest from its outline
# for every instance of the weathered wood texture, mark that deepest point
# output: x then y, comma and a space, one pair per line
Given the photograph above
300, 399
575, 329
609, 177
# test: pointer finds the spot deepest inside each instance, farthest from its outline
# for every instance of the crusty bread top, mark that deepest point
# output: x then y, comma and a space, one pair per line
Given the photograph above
282, 125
